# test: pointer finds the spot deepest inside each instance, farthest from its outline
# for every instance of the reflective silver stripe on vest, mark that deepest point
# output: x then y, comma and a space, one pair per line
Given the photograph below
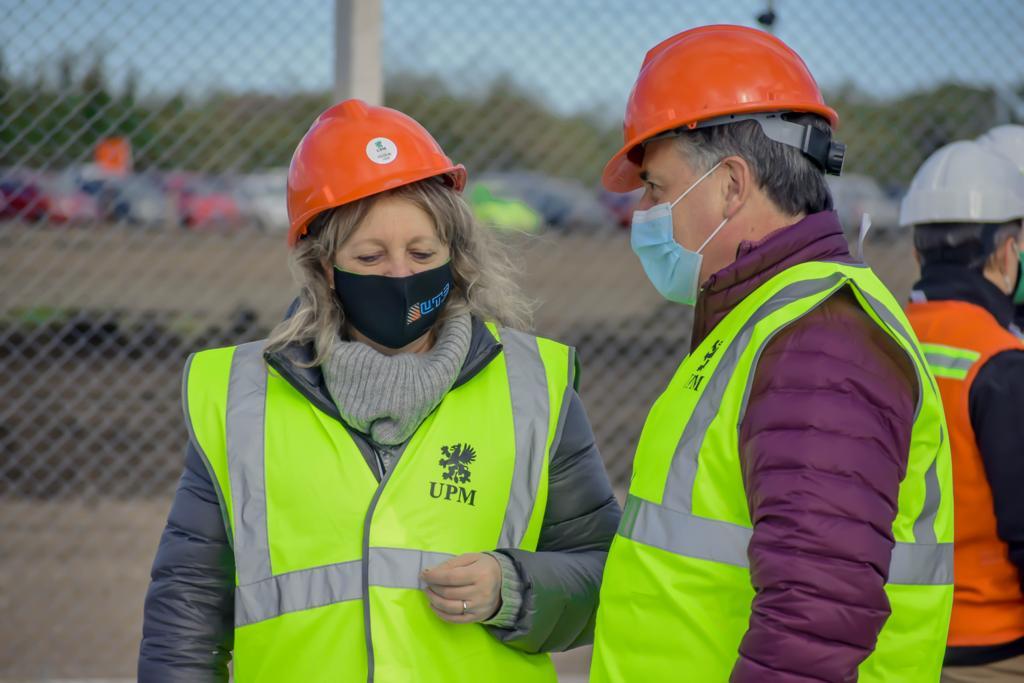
924, 525
297, 591
949, 362
244, 425
681, 533
323, 586
528, 386
401, 567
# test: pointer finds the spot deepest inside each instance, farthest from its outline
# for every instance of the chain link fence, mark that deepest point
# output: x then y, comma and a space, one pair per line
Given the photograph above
142, 156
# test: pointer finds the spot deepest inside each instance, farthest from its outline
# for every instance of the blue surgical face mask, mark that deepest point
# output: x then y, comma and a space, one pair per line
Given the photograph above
672, 269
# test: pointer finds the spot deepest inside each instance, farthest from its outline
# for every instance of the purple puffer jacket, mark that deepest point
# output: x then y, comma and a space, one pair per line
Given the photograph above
823, 445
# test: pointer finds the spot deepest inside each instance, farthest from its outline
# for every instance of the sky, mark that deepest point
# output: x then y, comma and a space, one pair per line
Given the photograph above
577, 55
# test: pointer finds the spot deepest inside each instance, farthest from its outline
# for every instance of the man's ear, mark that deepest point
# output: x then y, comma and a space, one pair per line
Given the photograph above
738, 185
1010, 256
999, 264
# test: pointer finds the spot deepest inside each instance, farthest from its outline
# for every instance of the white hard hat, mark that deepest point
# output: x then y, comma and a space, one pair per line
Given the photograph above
964, 182
1007, 140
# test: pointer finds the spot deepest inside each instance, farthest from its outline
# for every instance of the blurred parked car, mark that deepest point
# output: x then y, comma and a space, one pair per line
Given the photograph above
142, 200
204, 202
561, 203
854, 194
262, 199
115, 197
66, 201
21, 197
620, 204
500, 212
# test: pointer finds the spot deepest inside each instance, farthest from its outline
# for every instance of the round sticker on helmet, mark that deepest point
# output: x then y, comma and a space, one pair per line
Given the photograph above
381, 150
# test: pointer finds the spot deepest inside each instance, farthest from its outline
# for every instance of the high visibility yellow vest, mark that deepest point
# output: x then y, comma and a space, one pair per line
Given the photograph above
676, 597
328, 561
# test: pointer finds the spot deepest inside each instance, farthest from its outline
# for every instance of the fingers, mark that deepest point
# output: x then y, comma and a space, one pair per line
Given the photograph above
463, 560
464, 589
456, 592
451, 610
458, 571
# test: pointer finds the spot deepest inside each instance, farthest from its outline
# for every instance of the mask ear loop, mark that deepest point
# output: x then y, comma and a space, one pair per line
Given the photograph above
698, 182
712, 235
724, 220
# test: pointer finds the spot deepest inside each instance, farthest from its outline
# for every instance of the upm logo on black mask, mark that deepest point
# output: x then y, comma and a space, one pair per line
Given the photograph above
455, 471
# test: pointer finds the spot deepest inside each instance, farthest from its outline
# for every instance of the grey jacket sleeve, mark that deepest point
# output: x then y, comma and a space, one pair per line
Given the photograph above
188, 622
561, 580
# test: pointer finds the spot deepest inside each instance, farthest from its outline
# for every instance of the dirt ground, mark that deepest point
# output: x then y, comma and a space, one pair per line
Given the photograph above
72, 579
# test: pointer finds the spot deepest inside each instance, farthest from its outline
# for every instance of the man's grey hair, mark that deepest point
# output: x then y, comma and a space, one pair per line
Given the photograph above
794, 183
965, 244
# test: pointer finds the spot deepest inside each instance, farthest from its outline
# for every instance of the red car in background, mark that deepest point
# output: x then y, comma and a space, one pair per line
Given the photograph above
22, 198
204, 203
38, 197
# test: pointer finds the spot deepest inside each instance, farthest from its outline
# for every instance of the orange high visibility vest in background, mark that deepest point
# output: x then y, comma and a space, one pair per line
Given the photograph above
988, 606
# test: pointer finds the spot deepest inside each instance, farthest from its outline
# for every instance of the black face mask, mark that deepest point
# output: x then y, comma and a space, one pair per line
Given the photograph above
393, 311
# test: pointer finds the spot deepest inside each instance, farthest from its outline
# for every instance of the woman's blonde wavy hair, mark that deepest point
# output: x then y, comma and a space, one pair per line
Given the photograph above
484, 275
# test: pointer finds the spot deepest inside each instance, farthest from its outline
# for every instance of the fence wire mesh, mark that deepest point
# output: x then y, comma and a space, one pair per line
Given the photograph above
112, 272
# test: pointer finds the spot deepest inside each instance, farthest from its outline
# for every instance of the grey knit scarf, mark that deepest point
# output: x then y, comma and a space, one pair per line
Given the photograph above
388, 397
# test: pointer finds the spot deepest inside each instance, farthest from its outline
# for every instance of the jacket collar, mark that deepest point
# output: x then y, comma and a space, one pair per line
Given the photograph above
290, 363
953, 282
817, 237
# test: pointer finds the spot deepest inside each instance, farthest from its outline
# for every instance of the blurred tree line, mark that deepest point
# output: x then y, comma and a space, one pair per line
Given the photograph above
52, 120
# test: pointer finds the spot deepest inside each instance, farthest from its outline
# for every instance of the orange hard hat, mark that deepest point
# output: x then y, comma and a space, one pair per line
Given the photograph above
707, 73
354, 150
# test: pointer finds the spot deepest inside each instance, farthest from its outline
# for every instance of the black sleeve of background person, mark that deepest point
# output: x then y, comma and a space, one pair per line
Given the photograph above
996, 406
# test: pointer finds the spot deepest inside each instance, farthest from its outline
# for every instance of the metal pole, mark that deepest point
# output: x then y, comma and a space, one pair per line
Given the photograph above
357, 67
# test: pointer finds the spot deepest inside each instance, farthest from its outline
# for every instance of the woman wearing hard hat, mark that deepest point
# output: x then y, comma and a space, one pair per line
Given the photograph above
399, 484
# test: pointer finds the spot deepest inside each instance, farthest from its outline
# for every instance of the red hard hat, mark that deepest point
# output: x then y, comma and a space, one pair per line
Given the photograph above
353, 151
708, 72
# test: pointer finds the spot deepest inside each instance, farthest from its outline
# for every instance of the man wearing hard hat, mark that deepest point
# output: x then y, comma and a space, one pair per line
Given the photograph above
790, 513
1008, 140
965, 205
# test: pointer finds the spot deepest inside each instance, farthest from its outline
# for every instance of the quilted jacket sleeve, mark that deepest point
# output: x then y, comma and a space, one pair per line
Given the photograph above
824, 446
188, 621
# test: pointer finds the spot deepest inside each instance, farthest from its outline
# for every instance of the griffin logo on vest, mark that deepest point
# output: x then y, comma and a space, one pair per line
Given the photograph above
695, 379
455, 463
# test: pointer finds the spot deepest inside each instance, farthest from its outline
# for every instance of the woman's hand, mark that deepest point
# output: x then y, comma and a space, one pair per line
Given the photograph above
464, 589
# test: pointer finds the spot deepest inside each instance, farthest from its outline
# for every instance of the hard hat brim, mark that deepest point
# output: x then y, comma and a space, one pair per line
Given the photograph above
455, 176
622, 174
